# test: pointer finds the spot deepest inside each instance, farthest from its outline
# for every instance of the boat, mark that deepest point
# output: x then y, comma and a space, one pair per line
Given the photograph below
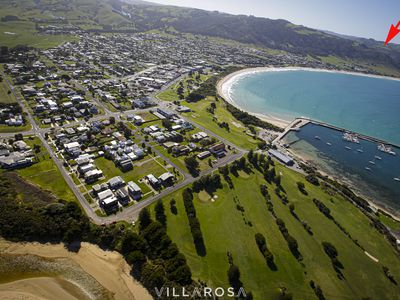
360, 150
386, 149
350, 137
368, 169
378, 157
348, 148
329, 144
317, 137
371, 162
396, 178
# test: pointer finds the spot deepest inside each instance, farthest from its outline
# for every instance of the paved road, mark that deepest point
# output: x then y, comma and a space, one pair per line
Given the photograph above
130, 213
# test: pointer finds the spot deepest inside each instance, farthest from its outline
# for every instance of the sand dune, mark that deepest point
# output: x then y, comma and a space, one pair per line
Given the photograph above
108, 268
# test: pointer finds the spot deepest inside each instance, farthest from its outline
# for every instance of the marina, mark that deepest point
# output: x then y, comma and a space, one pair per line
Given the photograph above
372, 167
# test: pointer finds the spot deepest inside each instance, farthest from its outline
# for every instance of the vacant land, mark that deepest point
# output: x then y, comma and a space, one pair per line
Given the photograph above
46, 174
225, 228
237, 131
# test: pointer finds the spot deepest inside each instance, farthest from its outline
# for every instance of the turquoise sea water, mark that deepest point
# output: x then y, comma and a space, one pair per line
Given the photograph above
366, 105
369, 170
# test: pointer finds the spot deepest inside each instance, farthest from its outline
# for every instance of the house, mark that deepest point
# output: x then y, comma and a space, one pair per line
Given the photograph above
180, 150
167, 114
83, 159
86, 168
104, 194
123, 196
15, 160
218, 150
154, 182
125, 164
20, 145
92, 175
283, 158
97, 188
73, 149
138, 120
134, 190
203, 154
115, 182
109, 204
167, 179
181, 109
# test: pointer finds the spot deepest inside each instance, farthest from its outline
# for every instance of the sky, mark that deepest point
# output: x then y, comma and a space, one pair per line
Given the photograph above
362, 18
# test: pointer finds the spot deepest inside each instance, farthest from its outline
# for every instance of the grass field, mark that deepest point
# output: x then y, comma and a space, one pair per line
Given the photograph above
224, 229
46, 174
236, 135
6, 97
16, 129
138, 172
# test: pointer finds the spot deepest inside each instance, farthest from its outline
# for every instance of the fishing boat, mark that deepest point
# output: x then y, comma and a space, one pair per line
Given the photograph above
368, 169
348, 148
329, 144
396, 178
317, 137
371, 162
378, 157
360, 150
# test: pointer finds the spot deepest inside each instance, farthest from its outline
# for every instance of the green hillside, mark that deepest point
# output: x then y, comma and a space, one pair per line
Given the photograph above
226, 228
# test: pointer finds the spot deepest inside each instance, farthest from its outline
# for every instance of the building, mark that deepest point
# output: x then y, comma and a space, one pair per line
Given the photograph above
134, 190
73, 149
203, 154
167, 179
218, 150
115, 182
15, 160
154, 182
283, 158
123, 196
92, 175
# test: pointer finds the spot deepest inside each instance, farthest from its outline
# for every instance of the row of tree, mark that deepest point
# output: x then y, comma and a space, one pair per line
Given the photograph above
194, 223
262, 246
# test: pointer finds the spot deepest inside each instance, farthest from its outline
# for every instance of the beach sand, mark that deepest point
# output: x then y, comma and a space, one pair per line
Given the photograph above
108, 268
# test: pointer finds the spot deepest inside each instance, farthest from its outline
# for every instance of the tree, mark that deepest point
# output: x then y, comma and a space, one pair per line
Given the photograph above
112, 120
144, 219
192, 165
160, 213
234, 277
166, 123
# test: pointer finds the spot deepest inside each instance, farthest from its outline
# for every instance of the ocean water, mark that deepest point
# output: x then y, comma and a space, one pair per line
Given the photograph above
377, 183
366, 105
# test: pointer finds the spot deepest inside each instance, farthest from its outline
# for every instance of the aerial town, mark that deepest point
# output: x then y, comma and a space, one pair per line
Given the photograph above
93, 104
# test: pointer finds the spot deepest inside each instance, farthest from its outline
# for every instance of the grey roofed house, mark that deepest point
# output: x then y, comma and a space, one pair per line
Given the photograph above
105, 194
97, 188
115, 182
134, 190
15, 160
167, 177
152, 180
287, 160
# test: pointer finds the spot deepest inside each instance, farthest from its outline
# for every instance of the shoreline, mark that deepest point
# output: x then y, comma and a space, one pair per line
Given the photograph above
224, 85
223, 88
108, 268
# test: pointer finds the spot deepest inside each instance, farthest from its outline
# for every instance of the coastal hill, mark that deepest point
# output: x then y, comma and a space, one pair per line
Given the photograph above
139, 16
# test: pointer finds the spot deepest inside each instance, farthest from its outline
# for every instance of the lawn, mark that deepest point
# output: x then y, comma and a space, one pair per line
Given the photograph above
224, 229
7, 129
46, 174
24, 33
237, 131
147, 167
6, 97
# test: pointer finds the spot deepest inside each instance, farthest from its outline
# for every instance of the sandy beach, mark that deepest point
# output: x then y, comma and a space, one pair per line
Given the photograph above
108, 268
225, 84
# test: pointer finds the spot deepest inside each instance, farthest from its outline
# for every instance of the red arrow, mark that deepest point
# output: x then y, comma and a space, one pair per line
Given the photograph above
392, 32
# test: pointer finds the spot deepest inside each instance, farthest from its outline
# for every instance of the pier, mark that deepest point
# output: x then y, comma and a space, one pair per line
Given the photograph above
297, 123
